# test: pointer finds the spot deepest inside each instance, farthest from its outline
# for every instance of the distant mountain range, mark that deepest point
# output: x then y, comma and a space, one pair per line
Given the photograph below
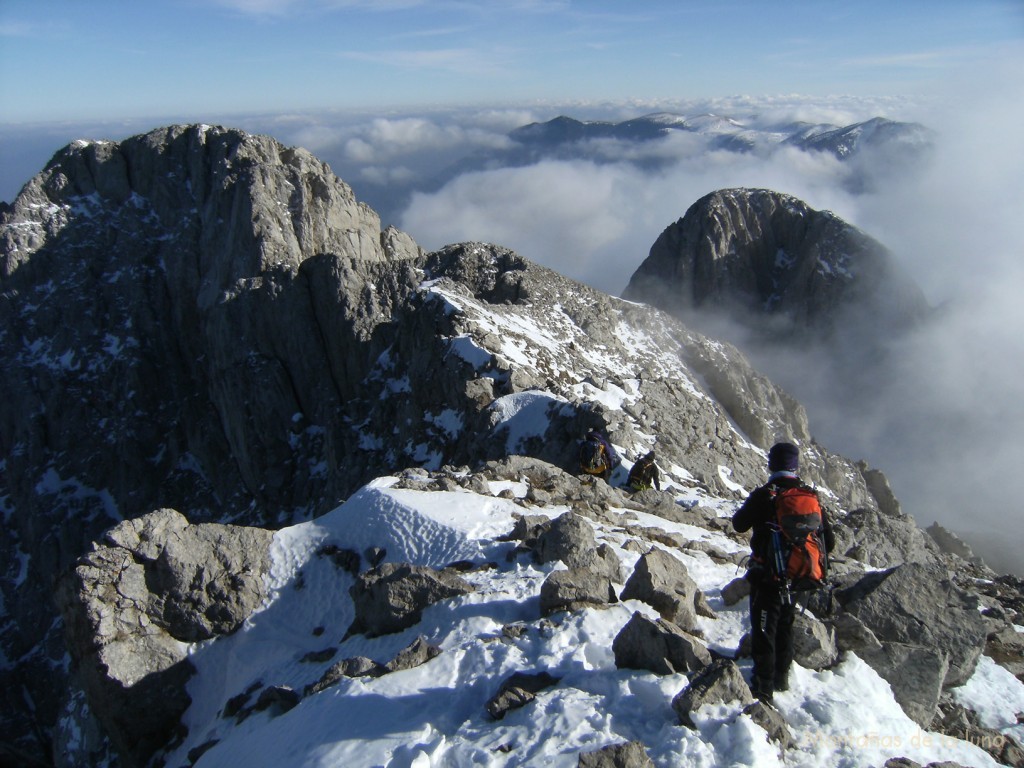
897, 146
726, 133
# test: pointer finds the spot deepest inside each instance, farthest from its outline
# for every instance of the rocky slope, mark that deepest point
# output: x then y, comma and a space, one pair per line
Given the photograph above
205, 321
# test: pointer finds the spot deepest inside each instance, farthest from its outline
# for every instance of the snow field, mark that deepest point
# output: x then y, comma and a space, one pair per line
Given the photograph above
433, 716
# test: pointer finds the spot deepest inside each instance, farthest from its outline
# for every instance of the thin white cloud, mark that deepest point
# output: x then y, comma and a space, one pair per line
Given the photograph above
463, 61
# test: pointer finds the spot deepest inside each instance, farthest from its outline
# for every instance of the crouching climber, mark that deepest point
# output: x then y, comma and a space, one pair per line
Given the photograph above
644, 474
597, 456
789, 544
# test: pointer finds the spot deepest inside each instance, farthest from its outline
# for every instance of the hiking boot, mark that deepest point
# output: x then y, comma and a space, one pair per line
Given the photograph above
763, 695
782, 684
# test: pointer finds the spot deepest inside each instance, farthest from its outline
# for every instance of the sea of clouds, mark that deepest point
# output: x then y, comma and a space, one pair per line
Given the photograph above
943, 420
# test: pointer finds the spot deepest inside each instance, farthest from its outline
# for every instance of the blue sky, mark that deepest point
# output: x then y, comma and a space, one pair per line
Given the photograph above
182, 59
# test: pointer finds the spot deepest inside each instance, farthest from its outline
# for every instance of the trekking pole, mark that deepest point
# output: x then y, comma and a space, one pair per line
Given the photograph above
780, 569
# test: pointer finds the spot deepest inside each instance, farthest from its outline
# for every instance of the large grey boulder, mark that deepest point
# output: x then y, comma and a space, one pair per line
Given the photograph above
918, 604
720, 682
130, 605
570, 538
658, 646
814, 643
915, 673
392, 596
571, 590
662, 581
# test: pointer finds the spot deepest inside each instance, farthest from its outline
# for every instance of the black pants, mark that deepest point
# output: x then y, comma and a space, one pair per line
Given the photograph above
771, 637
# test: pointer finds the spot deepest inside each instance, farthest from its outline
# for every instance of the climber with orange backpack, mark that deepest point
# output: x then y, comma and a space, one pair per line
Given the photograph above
597, 456
789, 547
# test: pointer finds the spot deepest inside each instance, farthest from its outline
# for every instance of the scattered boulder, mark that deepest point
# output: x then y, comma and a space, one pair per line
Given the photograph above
658, 646
631, 754
518, 690
772, 722
356, 666
735, 590
570, 538
918, 604
418, 652
413, 655
720, 682
574, 589
129, 605
662, 581
278, 699
392, 596
814, 645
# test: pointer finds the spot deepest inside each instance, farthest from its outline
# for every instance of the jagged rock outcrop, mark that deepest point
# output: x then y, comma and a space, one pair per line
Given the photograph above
130, 605
769, 260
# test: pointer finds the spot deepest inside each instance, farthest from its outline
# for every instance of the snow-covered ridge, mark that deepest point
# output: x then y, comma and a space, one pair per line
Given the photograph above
434, 715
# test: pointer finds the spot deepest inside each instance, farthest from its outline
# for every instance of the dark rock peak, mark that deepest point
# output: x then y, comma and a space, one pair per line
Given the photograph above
766, 257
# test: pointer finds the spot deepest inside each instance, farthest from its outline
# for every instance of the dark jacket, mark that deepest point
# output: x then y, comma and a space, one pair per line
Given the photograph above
759, 510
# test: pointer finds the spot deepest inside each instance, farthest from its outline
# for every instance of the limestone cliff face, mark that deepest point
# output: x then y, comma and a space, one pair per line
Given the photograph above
771, 262
202, 320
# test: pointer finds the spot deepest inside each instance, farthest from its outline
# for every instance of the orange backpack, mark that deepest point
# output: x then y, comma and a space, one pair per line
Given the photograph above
800, 556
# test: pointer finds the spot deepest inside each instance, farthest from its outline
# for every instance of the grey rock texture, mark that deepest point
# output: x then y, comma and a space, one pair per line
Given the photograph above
128, 606
570, 538
659, 646
915, 673
392, 596
632, 754
574, 589
814, 643
661, 580
720, 682
920, 605
773, 723
518, 690
954, 720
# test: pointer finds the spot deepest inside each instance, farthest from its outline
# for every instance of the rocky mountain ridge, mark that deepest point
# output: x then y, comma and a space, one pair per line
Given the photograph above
843, 142
201, 320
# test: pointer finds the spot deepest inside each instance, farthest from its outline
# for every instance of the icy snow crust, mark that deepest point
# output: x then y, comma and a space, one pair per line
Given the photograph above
434, 715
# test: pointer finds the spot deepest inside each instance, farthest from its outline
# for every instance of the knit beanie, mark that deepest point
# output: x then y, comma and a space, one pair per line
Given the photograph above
783, 456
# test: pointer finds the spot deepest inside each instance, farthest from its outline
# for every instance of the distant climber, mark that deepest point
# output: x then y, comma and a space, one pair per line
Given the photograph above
597, 456
644, 474
791, 537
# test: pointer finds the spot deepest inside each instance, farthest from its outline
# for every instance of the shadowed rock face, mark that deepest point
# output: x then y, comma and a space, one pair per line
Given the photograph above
130, 605
770, 262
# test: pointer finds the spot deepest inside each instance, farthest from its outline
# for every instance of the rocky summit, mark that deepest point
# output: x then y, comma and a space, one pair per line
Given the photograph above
776, 265
208, 345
